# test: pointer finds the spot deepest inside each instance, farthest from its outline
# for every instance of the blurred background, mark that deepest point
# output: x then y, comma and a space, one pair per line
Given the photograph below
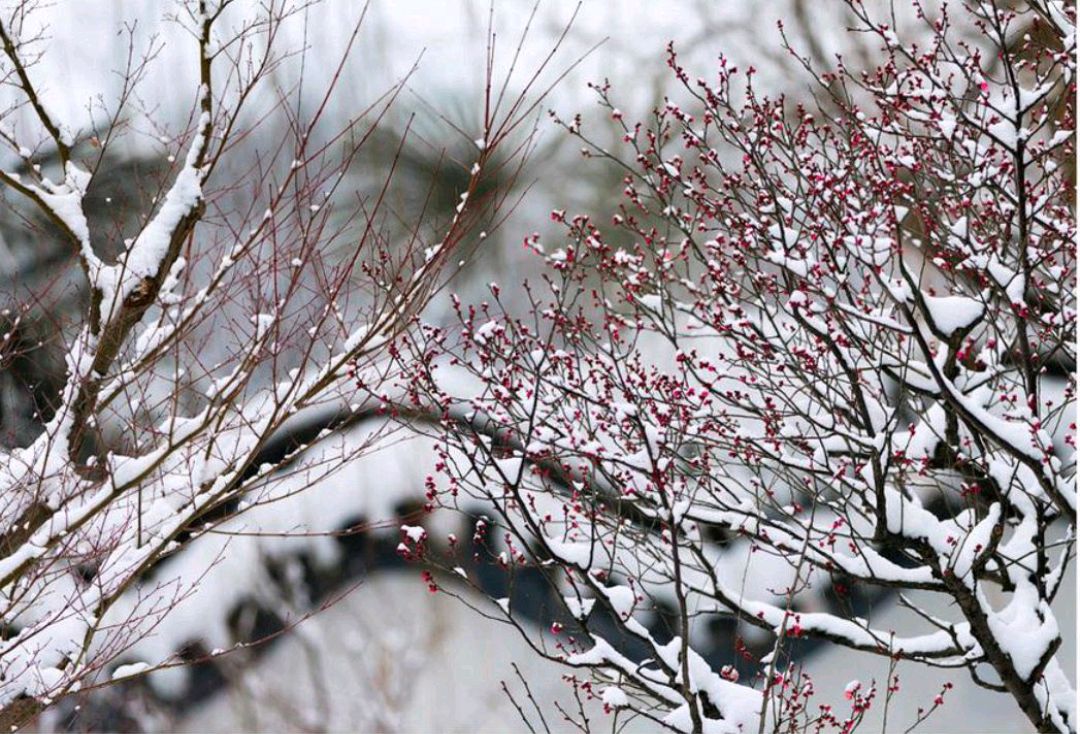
384, 654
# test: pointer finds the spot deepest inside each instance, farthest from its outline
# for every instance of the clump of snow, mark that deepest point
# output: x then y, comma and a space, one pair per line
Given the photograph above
950, 314
126, 671
614, 696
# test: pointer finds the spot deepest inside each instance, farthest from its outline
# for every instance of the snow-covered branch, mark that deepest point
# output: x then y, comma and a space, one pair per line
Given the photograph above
228, 313
828, 337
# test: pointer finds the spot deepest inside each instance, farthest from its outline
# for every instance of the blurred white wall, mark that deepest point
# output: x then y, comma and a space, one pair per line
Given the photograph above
391, 657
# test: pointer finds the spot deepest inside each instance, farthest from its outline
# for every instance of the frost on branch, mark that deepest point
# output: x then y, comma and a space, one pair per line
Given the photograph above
816, 349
